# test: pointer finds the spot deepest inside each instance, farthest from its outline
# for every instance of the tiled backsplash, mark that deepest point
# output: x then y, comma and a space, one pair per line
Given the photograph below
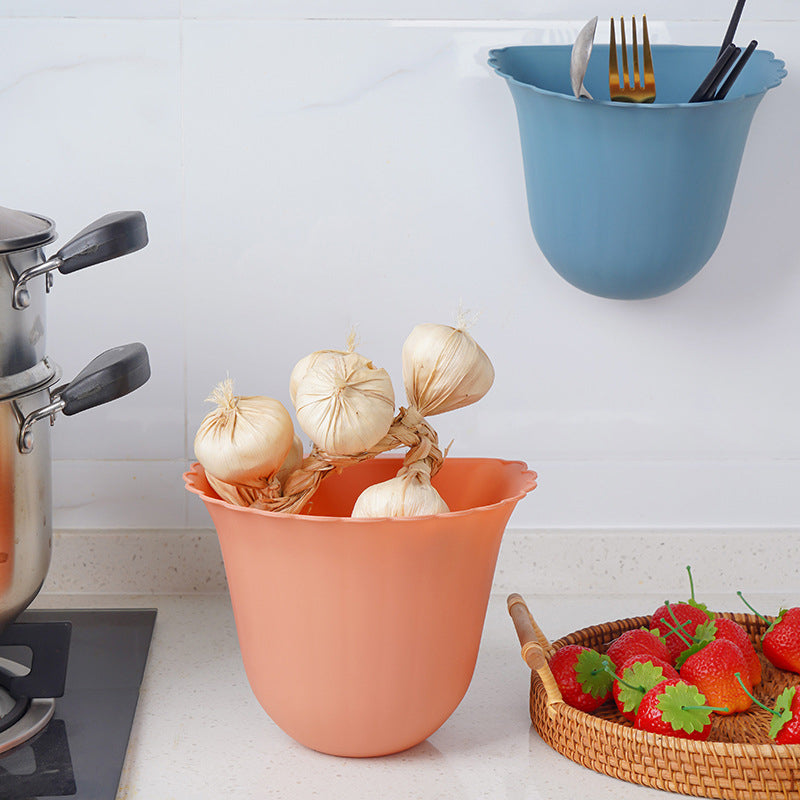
306, 167
528, 10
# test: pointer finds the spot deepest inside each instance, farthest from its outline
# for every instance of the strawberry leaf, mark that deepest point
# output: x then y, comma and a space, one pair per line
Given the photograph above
777, 619
678, 706
704, 634
590, 669
702, 606
642, 677
657, 633
783, 710
706, 630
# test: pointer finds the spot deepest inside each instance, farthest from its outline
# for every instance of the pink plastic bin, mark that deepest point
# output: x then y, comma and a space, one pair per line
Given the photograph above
359, 636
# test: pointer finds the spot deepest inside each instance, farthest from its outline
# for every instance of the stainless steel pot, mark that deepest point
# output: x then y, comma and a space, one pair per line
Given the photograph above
26, 274
30, 398
25, 462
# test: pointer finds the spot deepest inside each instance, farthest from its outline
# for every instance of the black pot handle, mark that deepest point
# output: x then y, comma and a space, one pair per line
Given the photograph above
112, 374
111, 236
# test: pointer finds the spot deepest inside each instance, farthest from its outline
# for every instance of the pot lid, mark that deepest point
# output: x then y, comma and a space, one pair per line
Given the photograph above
31, 380
20, 230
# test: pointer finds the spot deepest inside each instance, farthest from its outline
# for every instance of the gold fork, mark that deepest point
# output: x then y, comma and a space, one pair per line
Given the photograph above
643, 87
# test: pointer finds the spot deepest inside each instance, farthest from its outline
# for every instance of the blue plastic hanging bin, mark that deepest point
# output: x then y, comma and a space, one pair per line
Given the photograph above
630, 201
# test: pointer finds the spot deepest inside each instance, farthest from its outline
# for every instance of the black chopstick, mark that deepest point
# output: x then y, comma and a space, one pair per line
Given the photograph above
709, 85
732, 25
734, 73
709, 95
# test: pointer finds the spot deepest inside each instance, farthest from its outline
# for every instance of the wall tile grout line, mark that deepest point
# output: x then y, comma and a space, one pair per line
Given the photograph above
184, 260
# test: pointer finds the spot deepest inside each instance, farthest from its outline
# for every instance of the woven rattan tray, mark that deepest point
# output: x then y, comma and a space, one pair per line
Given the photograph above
737, 762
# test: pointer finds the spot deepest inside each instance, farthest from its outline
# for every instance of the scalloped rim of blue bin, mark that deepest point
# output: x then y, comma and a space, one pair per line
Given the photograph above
780, 74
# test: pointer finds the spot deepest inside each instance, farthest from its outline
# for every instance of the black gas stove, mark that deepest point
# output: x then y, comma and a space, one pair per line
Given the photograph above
69, 684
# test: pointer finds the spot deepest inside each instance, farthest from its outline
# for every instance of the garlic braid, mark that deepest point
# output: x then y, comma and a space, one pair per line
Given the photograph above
409, 429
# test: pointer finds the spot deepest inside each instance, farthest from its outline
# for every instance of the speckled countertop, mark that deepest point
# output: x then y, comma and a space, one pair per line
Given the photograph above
200, 733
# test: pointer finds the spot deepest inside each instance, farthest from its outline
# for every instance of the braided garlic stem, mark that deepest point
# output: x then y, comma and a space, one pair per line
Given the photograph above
409, 429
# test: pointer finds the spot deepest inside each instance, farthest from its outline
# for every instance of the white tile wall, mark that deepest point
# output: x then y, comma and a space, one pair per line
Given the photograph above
306, 167
389, 9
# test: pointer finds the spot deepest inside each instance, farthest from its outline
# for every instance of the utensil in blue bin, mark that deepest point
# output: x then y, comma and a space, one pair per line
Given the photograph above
708, 88
579, 58
735, 71
650, 185
732, 25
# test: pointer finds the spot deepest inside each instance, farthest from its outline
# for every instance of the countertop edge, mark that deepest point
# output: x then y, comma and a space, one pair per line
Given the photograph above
542, 561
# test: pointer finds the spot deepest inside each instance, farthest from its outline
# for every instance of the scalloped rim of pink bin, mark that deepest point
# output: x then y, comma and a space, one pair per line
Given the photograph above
530, 484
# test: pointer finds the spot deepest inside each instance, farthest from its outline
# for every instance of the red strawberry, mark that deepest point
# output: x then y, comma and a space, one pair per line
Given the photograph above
789, 731
785, 728
781, 641
725, 628
582, 676
677, 623
675, 708
635, 677
785, 725
713, 670
636, 641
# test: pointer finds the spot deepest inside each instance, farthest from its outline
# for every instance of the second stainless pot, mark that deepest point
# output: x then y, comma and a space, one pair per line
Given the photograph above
29, 402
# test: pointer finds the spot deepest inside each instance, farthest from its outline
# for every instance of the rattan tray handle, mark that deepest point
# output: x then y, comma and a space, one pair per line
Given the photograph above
535, 647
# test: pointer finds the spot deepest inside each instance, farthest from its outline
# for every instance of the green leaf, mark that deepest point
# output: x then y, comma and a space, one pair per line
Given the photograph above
678, 706
590, 669
783, 710
657, 633
778, 619
702, 606
705, 633
642, 677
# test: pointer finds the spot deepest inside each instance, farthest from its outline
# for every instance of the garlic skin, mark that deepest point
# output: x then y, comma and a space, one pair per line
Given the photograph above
244, 440
409, 494
240, 495
444, 368
302, 367
344, 404
236, 494
294, 458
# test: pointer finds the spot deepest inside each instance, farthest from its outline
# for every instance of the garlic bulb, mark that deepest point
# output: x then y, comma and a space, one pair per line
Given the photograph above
409, 494
294, 458
240, 495
444, 369
344, 403
307, 363
244, 440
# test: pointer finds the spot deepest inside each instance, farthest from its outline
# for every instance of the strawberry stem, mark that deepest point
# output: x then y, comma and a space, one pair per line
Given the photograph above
679, 632
704, 708
691, 582
754, 699
675, 619
625, 683
760, 616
